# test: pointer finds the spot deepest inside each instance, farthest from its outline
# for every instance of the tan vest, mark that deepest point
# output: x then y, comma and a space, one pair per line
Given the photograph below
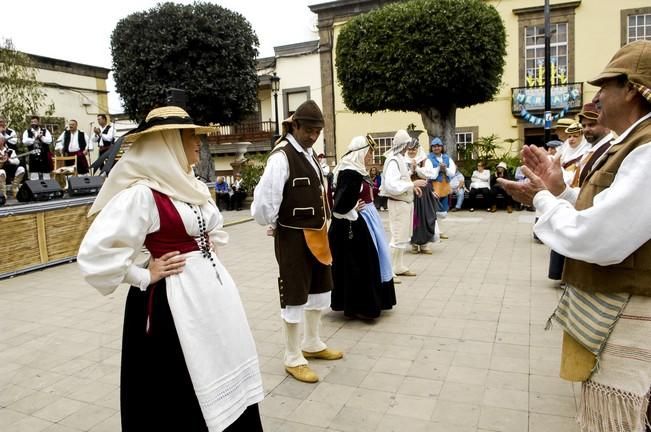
633, 275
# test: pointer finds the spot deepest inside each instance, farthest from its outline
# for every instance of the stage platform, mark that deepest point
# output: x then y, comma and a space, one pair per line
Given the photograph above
40, 234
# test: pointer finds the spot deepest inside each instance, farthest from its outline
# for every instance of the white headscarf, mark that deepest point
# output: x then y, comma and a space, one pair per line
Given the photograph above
570, 153
354, 158
157, 160
400, 140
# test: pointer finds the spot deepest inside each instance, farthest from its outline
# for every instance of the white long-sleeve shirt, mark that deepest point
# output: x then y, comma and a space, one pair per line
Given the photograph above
74, 142
10, 137
102, 138
480, 180
616, 225
395, 177
451, 170
45, 139
11, 159
268, 194
427, 171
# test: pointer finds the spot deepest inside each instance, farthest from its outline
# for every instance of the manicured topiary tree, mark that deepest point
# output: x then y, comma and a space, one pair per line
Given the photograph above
425, 56
202, 48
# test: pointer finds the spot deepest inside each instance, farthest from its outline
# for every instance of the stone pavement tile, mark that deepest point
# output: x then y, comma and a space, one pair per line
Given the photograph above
67, 385
346, 376
293, 426
507, 380
315, 413
476, 361
333, 394
271, 381
271, 424
360, 361
429, 369
28, 424
111, 400
92, 391
474, 347
552, 404
295, 389
278, 406
412, 406
509, 350
456, 413
512, 338
11, 393
393, 423
60, 409
420, 387
505, 398
509, 364
55, 427
371, 400
33, 402
503, 420
460, 392
87, 417
467, 375
111, 424
401, 352
355, 420
9, 417
382, 381
550, 385
36, 379
547, 423
392, 366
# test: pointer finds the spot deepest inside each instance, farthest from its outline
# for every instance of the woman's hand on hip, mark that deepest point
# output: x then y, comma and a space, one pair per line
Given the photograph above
168, 264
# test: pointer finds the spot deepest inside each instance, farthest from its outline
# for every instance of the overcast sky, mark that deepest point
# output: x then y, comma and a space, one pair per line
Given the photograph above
80, 30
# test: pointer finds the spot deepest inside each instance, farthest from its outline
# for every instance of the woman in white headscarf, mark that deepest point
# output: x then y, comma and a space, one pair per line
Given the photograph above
361, 264
188, 357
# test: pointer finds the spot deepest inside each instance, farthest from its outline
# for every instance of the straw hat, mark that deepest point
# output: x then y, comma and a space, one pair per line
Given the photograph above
166, 118
574, 128
564, 123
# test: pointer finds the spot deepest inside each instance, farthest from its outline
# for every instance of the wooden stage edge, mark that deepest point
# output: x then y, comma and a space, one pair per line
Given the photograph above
43, 234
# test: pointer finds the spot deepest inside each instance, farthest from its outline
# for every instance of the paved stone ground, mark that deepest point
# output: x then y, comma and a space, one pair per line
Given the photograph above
464, 350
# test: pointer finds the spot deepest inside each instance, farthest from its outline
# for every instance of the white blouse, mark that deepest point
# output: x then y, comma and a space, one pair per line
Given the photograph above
208, 315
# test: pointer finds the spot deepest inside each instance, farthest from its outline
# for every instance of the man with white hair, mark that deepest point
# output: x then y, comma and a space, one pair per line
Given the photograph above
398, 187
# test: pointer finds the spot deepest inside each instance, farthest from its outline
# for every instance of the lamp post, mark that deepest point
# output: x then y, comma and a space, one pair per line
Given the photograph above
275, 87
548, 75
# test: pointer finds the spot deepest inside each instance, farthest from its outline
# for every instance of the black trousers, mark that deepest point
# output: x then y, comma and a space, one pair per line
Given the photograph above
485, 192
156, 392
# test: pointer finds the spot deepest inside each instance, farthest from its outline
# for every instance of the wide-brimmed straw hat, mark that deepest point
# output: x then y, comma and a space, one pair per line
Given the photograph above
564, 123
166, 118
574, 128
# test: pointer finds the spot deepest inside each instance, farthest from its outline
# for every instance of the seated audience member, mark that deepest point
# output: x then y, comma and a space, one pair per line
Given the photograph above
380, 202
458, 186
553, 147
222, 194
239, 193
501, 171
480, 184
520, 177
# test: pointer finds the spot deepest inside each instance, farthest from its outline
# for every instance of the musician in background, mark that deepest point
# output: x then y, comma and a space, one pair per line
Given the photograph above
73, 142
104, 135
38, 138
9, 134
10, 169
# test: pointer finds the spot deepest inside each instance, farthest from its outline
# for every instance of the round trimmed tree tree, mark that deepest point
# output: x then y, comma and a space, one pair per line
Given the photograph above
425, 56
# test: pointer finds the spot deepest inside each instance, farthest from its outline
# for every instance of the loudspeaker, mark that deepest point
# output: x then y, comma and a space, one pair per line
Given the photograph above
39, 190
87, 185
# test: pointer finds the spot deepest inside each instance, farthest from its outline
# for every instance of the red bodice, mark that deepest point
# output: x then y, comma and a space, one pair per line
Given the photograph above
172, 235
366, 194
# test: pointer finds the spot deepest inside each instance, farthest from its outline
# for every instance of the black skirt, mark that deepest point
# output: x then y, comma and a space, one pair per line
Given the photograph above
425, 207
156, 392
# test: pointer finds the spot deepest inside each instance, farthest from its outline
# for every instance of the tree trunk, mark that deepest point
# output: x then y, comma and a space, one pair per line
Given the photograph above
441, 122
205, 168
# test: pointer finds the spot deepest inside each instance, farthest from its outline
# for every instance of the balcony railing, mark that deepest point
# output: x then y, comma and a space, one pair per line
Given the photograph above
247, 131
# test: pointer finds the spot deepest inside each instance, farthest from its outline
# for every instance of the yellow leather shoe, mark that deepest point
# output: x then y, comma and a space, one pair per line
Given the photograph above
325, 354
302, 373
407, 273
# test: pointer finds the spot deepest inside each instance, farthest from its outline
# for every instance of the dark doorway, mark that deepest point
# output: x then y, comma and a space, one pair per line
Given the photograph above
536, 136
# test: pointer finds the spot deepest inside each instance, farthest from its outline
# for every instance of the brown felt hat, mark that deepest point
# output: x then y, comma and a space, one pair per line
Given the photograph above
309, 113
589, 111
632, 60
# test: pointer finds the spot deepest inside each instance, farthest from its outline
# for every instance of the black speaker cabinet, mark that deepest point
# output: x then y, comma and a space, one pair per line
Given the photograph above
39, 190
78, 186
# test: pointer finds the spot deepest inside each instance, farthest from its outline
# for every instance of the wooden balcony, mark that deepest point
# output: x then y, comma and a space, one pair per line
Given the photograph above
253, 132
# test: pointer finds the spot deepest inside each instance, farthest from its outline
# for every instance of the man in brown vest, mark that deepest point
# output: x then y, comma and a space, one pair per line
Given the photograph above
290, 200
604, 230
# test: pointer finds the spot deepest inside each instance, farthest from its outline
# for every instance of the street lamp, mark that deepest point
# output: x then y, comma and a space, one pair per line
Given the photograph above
275, 87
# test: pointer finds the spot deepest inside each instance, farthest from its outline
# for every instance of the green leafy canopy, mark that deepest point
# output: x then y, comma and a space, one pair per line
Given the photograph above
410, 56
203, 48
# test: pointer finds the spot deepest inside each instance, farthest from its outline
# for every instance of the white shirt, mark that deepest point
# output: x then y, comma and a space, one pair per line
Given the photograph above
427, 171
12, 159
616, 225
395, 177
109, 136
268, 194
450, 170
12, 138
480, 180
45, 139
74, 142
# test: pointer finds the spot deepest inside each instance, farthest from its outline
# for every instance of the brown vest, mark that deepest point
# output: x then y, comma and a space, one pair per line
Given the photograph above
304, 205
633, 275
